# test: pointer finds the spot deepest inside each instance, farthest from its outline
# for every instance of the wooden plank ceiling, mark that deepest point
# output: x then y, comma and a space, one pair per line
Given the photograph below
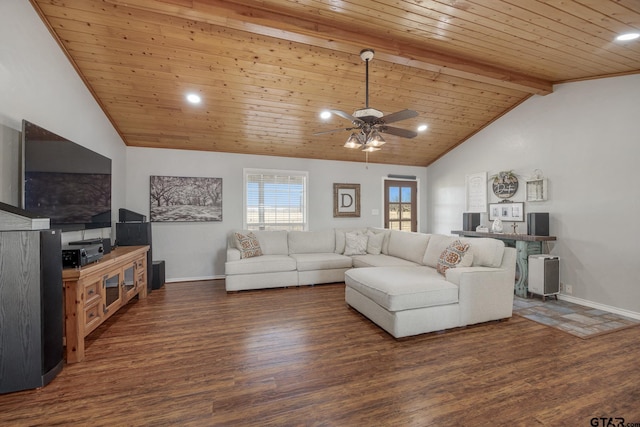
266, 69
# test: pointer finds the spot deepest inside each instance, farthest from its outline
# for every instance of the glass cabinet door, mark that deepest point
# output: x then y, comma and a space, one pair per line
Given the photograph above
111, 290
129, 284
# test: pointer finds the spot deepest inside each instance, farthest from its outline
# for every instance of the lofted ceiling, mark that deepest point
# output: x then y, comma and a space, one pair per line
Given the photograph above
266, 69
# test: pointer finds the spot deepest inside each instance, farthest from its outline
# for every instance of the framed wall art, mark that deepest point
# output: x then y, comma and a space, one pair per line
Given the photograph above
185, 199
506, 211
346, 200
476, 192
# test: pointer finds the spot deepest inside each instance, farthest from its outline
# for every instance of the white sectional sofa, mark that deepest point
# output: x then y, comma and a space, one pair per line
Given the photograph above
291, 258
390, 276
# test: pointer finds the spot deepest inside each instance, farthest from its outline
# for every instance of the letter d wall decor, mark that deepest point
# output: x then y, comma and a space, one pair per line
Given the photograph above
346, 200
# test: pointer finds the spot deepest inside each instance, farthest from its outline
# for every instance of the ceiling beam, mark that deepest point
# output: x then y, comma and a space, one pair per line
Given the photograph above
323, 33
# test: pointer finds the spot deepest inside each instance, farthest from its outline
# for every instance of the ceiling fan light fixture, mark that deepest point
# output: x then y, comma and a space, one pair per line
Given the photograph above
375, 139
370, 149
353, 142
368, 122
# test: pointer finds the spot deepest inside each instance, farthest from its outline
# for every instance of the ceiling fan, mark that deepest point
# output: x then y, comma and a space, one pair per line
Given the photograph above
369, 123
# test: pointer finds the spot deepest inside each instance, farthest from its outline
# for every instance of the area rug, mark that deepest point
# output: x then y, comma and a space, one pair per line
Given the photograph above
578, 320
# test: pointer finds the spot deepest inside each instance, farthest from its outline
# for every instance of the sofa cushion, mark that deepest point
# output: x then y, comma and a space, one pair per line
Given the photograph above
437, 244
309, 242
385, 240
273, 242
247, 244
321, 261
487, 252
402, 288
380, 260
408, 245
356, 243
456, 254
341, 239
374, 242
261, 264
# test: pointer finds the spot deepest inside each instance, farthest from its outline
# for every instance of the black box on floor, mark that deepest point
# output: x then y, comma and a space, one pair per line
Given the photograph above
158, 275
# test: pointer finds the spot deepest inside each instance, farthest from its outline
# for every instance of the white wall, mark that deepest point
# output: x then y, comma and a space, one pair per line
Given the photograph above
38, 83
198, 250
585, 137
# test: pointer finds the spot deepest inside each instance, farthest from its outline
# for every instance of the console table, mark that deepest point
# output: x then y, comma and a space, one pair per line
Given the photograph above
525, 245
94, 292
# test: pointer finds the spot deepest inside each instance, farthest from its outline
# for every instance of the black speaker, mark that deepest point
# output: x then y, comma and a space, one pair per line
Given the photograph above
52, 304
158, 275
31, 309
538, 223
137, 234
106, 245
125, 215
470, 220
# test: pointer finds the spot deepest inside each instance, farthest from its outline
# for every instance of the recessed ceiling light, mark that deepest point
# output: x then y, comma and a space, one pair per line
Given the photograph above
422, 128
325, 115
193, 98
627, 36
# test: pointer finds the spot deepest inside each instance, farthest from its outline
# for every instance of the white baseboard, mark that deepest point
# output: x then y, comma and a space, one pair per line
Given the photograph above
603, 307
193, 279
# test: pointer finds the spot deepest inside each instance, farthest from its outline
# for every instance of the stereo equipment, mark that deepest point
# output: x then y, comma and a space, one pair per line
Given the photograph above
125, 215
544, 275
105, 242
470, 220
538, 223
95, 241
31, 307
80, 256
137, 234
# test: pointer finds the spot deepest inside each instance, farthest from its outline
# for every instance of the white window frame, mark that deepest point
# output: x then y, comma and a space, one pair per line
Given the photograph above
277, 172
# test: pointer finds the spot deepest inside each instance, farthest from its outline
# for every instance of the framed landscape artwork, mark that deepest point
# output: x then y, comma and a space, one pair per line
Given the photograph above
185, 199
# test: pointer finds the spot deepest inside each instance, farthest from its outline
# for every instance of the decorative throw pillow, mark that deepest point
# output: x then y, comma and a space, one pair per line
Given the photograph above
356, 244
248, 245
452, 256
374, 242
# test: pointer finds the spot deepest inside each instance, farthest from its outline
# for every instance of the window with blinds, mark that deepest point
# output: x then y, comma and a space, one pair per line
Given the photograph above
275, 199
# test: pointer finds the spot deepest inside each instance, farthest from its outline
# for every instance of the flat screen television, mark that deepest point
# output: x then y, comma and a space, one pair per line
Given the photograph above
64, 181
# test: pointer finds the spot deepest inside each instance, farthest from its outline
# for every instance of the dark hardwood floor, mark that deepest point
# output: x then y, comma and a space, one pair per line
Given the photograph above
192, 355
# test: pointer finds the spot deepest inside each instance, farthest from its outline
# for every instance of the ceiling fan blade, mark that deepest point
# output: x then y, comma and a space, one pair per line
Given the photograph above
404, 133
347, 116
397, 116
333, 130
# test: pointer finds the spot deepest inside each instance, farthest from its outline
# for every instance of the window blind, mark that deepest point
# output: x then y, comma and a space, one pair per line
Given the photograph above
275, 200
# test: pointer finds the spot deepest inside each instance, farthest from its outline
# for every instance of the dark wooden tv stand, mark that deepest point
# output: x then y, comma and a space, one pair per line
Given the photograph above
93, 293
